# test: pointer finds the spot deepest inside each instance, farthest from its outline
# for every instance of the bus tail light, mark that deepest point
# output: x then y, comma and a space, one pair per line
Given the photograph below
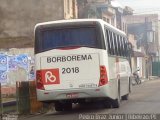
103, 76
39, 82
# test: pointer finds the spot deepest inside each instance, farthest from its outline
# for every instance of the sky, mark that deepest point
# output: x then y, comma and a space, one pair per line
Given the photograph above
142, 6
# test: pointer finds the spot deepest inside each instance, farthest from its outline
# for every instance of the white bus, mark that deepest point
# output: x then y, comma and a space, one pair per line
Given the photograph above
81, 60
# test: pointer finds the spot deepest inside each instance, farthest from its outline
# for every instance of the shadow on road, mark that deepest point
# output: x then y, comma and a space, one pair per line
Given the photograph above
81, 108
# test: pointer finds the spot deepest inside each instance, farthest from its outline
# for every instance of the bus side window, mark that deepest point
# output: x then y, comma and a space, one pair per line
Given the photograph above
108, 41
118, 45
130, 49
123, 48
112, 43
115, 43
121, 45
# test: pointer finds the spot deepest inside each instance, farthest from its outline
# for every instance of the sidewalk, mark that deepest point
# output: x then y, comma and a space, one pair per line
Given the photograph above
144, 79
153, 77
150, 78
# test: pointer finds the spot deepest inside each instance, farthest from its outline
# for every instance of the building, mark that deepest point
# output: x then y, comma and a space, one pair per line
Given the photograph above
137, 57
156, 60
145, 31
17, 21
106, 10
101, 9
18, 18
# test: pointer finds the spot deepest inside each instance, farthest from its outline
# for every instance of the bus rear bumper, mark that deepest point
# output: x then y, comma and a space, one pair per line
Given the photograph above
101, 92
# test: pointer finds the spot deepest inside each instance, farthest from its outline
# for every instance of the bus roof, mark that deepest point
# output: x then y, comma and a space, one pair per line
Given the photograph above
81, 20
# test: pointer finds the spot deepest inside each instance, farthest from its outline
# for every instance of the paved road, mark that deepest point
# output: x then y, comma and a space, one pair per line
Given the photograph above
145, 98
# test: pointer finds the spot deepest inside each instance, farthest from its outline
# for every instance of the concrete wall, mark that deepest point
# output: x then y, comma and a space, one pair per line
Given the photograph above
18, 17
19, 74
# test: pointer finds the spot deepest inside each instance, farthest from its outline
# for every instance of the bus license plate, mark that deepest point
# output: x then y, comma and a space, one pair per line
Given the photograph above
72, 95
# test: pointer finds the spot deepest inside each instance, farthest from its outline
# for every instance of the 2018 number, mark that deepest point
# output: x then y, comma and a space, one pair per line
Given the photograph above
70, 70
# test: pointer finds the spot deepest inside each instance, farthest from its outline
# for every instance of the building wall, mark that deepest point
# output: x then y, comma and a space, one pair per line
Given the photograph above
97, 1
148, 38
141, 18
132, 41
110, 17
18, 17
70, 9
153, 27
101, 9
124, 25
159, 37
137, 61
107, 18
19, 74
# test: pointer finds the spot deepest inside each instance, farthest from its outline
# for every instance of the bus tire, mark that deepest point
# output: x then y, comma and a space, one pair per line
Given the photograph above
58, 106
107, 103
126, 97
130, 85
67, 106
116, 102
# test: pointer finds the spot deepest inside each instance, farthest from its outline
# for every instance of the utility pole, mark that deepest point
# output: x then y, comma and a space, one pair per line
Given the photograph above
146, 46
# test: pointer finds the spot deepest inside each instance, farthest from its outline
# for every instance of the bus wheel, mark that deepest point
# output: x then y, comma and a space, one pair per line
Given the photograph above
116, 102
126, 97
107, 103
130, 85
58, 106
67, 106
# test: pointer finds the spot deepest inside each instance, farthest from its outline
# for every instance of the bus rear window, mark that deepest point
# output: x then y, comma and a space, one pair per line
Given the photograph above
67, 37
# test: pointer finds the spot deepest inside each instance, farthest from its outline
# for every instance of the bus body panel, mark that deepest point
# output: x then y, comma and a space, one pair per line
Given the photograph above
108, 90
119, 69
86, 84
70, 94
84, 88
73, 73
